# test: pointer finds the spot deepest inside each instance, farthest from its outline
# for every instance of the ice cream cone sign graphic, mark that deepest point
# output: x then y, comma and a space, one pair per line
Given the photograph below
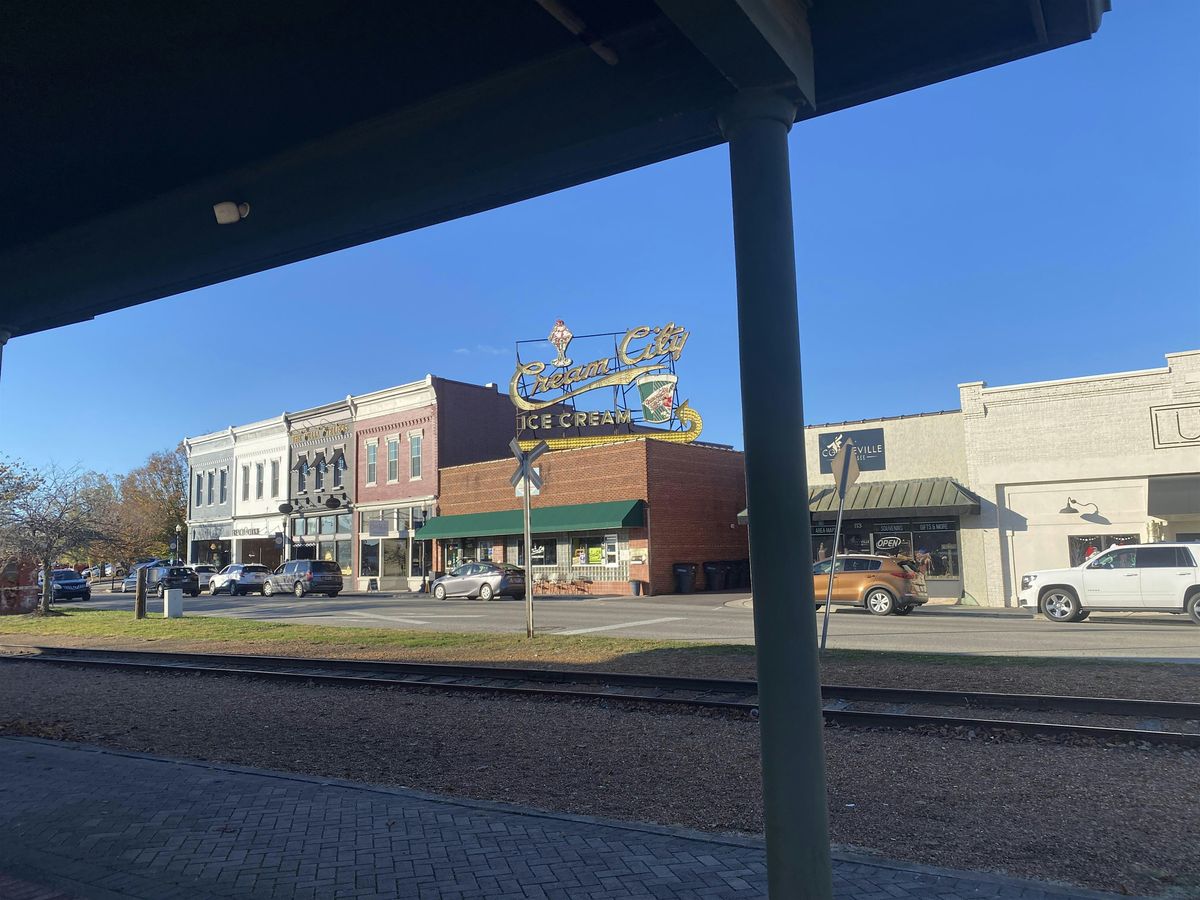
560, 337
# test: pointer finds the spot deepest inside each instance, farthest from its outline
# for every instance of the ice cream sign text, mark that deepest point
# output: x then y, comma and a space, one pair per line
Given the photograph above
642, 363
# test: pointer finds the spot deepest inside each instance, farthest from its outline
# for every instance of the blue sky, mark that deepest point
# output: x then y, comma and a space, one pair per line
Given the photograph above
1034, 221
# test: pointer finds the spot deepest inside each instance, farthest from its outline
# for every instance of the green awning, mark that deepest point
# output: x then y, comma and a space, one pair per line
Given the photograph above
913, 497
543, 520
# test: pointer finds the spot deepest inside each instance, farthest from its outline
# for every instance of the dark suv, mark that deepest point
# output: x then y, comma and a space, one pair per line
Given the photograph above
305, 576
68, 585
161, 579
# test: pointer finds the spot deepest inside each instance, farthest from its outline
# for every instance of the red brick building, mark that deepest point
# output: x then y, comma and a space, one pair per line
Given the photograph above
403, 435
606, 516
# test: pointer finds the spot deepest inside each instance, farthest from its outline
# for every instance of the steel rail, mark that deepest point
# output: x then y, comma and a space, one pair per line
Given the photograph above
669, 690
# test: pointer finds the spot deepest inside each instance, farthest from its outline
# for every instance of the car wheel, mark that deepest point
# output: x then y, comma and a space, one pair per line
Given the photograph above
1193, 607
439, 592
486, 592
213, 590
331, 594
903, 610
268, 589
298, 590
879, 602
1061, 605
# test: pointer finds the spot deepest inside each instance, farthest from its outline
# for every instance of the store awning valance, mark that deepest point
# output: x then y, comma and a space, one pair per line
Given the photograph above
543, 520
1174, 495
913, 497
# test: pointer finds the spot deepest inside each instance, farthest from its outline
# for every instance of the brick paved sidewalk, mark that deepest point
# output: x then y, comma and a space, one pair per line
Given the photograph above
92, 823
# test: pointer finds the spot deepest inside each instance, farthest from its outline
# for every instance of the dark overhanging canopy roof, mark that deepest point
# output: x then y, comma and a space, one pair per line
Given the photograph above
908, 497
543, 520
339, 124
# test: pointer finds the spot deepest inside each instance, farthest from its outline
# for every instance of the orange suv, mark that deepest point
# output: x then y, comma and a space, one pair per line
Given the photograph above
881, 584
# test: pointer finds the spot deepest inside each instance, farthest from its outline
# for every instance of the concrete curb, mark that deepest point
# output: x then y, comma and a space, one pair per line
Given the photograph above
851, 855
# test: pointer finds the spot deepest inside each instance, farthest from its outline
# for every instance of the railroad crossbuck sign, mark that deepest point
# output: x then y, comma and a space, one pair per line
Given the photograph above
525, 462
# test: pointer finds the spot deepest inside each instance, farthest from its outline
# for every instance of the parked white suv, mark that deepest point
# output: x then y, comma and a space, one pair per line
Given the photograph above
1131, 578
239, 579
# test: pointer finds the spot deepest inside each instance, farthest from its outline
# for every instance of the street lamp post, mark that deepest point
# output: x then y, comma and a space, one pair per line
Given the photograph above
178, 546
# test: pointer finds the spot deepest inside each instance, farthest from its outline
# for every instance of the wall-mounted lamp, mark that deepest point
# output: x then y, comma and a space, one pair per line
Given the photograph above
228, 212
1071, 510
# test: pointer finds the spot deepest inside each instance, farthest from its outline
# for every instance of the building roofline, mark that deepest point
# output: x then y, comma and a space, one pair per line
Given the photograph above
1080, 379
920, 415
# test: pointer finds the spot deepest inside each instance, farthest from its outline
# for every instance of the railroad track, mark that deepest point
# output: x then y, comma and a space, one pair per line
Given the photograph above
842, 703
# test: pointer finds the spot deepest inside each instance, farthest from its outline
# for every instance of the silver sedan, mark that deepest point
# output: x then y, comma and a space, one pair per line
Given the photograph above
485, 580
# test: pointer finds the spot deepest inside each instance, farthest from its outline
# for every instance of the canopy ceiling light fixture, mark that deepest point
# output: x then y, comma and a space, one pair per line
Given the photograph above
1071, 510
228, 212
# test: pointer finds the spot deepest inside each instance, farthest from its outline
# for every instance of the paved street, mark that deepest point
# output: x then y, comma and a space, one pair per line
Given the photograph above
104, 824
725, 617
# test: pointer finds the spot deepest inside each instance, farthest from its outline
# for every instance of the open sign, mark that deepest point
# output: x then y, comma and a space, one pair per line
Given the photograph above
888, 543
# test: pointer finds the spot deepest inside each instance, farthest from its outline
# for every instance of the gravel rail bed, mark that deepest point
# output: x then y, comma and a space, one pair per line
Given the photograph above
1116, 818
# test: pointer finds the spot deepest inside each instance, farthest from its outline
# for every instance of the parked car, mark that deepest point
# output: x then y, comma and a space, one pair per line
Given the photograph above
882, 585
130, 582
305, 576
204, 573
160, 579
238, 579
67, 584
1131, 578
485, 580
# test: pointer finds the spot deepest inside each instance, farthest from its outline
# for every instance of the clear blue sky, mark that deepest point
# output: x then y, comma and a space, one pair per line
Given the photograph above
1034, 221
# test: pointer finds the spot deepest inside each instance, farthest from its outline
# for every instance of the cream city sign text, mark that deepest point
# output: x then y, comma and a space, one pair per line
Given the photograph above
643, 358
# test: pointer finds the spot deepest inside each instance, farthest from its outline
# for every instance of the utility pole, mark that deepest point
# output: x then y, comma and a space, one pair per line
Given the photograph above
139, 595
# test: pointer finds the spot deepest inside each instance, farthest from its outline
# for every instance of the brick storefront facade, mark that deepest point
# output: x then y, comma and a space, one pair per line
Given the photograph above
692, 496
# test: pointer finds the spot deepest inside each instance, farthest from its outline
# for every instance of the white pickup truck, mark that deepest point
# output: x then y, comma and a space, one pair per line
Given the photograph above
1132, 578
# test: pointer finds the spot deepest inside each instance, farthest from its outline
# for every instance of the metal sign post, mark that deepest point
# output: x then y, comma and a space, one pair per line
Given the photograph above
845, 473
532, 479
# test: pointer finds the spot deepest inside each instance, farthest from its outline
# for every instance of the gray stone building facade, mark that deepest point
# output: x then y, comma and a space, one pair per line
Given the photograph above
1022, 477
210, 504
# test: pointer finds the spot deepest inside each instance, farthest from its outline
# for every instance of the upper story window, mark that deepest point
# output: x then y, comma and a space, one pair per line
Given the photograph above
302, 476
339, 467
224, 485
393, 458
258, 481
210, 488
245, 482
414, 455
198, 497
372, 460
274, 478
320, 479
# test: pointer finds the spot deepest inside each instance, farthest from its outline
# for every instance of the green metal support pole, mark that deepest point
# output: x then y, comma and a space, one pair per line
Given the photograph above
793, 755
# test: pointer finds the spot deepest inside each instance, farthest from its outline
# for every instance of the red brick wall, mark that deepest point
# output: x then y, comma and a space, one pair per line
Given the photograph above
475, 423
591, 475
695, 495
379, 427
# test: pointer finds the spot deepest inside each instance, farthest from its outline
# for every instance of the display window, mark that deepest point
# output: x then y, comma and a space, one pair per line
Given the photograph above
545, 552
1082, 547
594, 550
368, 558
932, 543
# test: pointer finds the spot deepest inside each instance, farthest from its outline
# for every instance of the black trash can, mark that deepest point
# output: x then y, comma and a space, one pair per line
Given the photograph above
685, 577
714, 576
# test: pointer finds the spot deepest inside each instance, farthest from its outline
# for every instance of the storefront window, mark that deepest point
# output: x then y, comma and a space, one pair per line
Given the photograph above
545, 552
395, 553
1081, 547
343, 523
597, 550
931, 543
368, 558
343, 556
298, 527
454, 554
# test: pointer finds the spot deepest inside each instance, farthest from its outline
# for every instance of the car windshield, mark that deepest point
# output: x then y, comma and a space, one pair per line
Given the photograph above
65, 576
255, 569
325, 565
